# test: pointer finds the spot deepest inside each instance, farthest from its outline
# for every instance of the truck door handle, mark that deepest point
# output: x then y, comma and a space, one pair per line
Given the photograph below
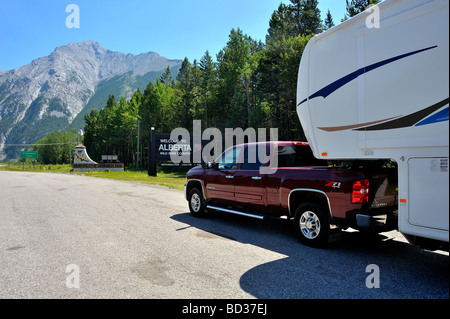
256, 178
229, 176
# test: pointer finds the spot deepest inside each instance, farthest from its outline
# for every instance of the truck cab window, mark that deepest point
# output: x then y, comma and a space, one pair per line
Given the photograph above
297, 156
251, 159
229, 159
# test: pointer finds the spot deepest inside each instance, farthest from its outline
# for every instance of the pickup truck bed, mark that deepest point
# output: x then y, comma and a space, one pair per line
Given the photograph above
317, 197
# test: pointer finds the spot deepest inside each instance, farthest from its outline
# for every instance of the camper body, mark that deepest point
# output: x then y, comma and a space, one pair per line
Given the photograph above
377, 87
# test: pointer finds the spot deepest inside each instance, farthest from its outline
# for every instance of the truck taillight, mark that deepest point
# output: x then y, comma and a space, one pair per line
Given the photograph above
360, 193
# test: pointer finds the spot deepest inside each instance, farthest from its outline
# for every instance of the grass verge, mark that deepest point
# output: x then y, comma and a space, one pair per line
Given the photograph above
171, 179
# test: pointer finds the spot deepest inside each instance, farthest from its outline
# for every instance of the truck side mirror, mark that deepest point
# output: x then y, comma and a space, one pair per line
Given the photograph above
205, 163
212, 165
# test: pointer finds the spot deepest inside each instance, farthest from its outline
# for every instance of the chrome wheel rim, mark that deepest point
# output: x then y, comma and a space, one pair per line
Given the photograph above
195, 202
310, 225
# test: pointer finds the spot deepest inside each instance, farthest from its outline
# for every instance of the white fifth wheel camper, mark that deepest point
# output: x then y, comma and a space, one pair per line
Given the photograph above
377, 87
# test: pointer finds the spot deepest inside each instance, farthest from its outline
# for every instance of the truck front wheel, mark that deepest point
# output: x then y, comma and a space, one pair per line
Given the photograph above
196, 203
311, 225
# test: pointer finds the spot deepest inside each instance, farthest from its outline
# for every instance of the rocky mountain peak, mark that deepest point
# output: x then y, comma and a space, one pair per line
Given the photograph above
57, 87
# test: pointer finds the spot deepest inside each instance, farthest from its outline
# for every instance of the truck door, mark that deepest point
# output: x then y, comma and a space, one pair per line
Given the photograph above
249, 184
219, 181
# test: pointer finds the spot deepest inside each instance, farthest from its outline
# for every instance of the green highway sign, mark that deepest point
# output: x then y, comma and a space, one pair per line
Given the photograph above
28, 154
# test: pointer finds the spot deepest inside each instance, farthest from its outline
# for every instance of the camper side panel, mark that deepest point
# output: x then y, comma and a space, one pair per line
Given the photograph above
368, 90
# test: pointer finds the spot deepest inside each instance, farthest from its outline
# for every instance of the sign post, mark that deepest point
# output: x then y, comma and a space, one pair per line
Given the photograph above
152, 159
28, 154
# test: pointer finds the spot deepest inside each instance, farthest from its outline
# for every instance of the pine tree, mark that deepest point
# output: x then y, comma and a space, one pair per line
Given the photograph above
111, 101
234, 74
305, 16
90, 131
355, 7
312, 22
280, 24
185, 84
208, 86
328, 23
166, 77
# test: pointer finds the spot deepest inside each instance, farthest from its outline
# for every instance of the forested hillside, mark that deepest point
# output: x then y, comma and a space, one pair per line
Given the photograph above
250, 83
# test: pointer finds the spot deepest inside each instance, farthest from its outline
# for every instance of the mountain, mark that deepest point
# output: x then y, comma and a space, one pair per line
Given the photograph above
54, 92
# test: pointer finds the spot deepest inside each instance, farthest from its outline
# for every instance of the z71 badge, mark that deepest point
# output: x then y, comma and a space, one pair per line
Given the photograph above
333, 184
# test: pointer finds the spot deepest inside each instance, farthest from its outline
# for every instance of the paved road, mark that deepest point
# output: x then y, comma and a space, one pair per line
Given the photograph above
66, 236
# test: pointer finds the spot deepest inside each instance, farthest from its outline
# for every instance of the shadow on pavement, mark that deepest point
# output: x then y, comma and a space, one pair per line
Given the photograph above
335, 272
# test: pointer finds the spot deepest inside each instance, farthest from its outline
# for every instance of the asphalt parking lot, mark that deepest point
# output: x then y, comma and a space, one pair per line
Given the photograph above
65, 236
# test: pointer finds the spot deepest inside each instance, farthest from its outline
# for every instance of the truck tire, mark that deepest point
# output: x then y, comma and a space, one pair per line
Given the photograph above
196, 203
311, 225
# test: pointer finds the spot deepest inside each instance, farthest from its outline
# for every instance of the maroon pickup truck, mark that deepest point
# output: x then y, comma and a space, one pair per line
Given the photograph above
321, 197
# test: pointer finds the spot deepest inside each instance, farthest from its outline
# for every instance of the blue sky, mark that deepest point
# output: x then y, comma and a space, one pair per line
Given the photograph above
173, 28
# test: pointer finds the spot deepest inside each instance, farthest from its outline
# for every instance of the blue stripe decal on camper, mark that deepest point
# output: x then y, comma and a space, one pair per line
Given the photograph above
441, 116
336, 85
422, 117
408, 120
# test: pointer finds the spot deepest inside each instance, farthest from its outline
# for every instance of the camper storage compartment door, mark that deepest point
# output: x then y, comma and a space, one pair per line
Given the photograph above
428, 202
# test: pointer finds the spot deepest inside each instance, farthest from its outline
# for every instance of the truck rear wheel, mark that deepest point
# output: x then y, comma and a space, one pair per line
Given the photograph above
196, 203
311, 225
